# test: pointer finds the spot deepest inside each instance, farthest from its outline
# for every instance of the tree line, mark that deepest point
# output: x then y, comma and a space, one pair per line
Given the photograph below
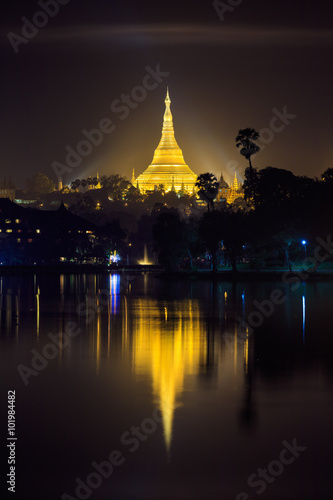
285, 214
278, 226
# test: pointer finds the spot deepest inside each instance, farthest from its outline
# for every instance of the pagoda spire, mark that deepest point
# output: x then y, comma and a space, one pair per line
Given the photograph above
233, 193
168, 152
167, 122
98, 186
168, 166
235, 186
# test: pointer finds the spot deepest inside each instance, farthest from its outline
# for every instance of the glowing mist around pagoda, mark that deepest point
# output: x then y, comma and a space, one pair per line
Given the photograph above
168, 168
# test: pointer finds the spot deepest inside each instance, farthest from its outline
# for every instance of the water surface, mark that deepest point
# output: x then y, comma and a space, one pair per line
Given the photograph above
169, 374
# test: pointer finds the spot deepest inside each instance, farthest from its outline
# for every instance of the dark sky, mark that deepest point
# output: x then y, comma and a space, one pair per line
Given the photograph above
224, 75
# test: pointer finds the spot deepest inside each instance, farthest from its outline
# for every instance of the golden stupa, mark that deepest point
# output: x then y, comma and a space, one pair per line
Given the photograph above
168, 168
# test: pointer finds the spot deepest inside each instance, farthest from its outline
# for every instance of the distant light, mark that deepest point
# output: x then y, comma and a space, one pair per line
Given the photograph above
114, 257
303, 242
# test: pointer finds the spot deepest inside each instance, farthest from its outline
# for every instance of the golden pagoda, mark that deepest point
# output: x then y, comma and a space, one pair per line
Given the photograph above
168, 167
234, 191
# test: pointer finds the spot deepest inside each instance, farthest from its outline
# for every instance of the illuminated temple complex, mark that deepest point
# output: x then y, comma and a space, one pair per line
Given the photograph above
230, 194
168, 167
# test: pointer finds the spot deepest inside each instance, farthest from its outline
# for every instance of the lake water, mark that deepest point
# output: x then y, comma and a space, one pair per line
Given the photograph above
168, 380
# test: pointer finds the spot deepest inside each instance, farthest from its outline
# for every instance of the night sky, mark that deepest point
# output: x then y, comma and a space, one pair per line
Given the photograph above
224, 75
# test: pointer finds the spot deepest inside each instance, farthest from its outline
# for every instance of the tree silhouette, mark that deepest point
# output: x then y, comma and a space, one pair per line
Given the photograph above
40, 183
235, 226
75, 184
117, 186
327, 176
211, 232
208, 188
171, 239
246, 141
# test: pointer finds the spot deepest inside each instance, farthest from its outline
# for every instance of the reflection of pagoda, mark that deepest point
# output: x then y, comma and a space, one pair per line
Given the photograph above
168, 348
168, 167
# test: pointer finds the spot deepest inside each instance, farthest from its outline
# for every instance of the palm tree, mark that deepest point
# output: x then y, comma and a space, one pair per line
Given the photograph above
75, 184
245, 139
84, 183
208, 188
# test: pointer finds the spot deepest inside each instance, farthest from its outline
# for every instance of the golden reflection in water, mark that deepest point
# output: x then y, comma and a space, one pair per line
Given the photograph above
168, 344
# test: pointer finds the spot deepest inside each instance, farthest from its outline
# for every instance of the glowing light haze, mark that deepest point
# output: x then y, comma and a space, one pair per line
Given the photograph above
223, 76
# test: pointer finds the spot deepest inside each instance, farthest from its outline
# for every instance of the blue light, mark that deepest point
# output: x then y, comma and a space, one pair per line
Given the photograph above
114, 285
303, 242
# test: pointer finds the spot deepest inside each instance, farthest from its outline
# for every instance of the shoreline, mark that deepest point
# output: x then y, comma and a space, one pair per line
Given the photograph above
76, 269
220, 275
